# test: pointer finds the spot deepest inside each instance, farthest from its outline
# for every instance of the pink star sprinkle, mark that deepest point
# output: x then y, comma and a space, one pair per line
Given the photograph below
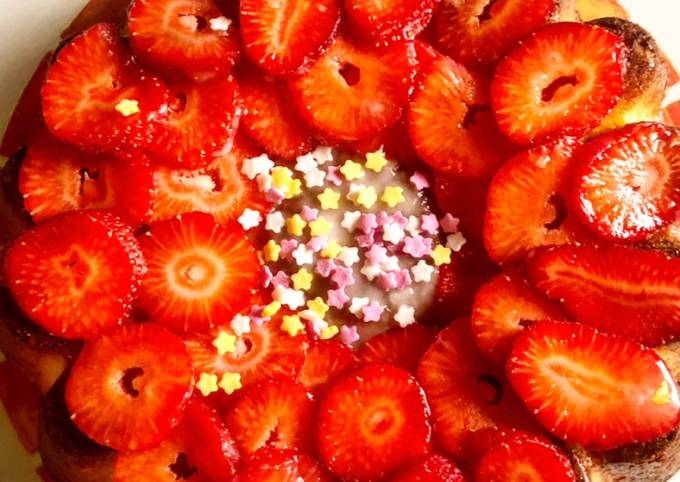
256, 315
417, 246
349, 334
281, 279
429, 223
387, 281
342, 277
317, 243
404, 279
325, 267
373, 311
266, 277
383, 218
367, 223
365, 240
376, 254
309, 214
333, 176
274, 196
287, 247
419, 181
399, 219
337, 298
449, 224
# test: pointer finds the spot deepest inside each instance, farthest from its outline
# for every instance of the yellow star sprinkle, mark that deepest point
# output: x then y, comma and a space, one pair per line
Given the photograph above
302, 280
332, 250
319, 226
225, 343
352, 170
207, 384
441, 255
295, 225
329, 199
271, 309
271, 251
318, 306
329, 332
292, 325
230, 382
392, 195
294, 188
127, 107
366, 197
281, 178
375, 161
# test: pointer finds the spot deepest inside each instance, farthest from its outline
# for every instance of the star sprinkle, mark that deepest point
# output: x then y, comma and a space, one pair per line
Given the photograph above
449, 223
422, 272
231, 382
292, 325
317, 243
376, 254
271, 309
295, 225
337, 298
319, 226
219, 24
281, 177
287, 247
240, 324
370, 271
332, 175
127, 107
441, 255
391, 263
419, 181
392, 196
332, 250
352, 170
309, 214
318, 306
315, 178
294, 188
368, 223
375, 161
302, 280
366, 197
225, 343
349, 256
373, 311
264, 182
250, 219
306, 163
293, 299
405, 316
281, 279
271, 251
413, 225
393, 233
329, 332
357, 305
455, 241
303, 255
349, 334
429, 224
350, 220
257, 165
274, 222
343, 277
329, 199
417, 246
207, 384
325, 267
323, 154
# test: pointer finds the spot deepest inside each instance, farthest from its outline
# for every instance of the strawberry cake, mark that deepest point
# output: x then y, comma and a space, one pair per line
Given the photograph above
344, 240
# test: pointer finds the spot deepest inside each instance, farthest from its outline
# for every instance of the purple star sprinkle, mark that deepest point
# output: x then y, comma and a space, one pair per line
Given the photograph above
274, 196
367, 223
325, 267
337, 298
309, 214
376, 254
333, 176
419, 181
349, 334
343, 276
449, 223
281, 279
404, 279
372, 311
387, 281
417, 246
287, 247
429, 223
266, 277
317, 243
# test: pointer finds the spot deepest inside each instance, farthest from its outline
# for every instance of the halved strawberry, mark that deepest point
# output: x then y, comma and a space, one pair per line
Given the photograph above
203, 119
128, 389
325, 361
371, 421
270, 118
563, 79
97, 98
451, 124
56, 177
429, 468
627, 181
275, 465
77, 274
624, 291
503, 307
276, 413
191, 37
526, 204
464, 199
354, 92
287, 37
465, 392
592, 389
401, 347
390, 21
200, 274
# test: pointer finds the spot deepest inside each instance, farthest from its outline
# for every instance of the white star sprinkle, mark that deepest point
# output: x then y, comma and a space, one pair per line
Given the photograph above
455, 241
349, 256
314, 321
413, 225
350, 220
315, 178
370, 271
303, 255
257, 165
220, 24
390, 263
306, 163
405, 316
289, 297
357, 305
264, 182
274, 222
250, 218
323, 154
422, 272
393, 233
240, 324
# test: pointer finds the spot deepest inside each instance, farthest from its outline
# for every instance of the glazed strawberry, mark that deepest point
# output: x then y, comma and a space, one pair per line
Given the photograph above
503, 307
56, 178
429, 468
77, 274
563, 79
191, 37
128, 389
526, 204
626, 182
451, 124
355, 92
272, 413
96, 97
219, 189
270, 118
203, 119
325, 361
200, 273
624, 291
465, 392
401, 347
287, 37
616, 392
371, 421
275, 465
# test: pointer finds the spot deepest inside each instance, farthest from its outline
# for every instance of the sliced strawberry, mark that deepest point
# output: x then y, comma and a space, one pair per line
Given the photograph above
465, 392
390, 21
451, 124
191, 37
77, 274
96, 98
615, 392
503, 307
127, 389
287, 37
56, 178
96, 11
275, 465
624, 291
563, 79
325, 361
401, 347
200, 273
429, 468
270, 118
354, 92
627, 181
371, 421
464, 199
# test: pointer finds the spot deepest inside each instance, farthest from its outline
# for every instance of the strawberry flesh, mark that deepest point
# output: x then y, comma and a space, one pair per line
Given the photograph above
276, 465
325, 361
401, 347
429, 468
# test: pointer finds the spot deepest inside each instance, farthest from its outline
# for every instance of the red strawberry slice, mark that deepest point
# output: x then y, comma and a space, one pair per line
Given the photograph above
325, 361
627, 181
287, 37
429, 468
96, 98
371, 421
77, 274
56, 178
127, 389
390, 21
615, 392
354, 92
503, 307
218, 189
200, 273
466, 393
526, 204
451, 124
190, 37
624, 291
203, 120
270, 118
272, 413
401, 347
275, 465
464, 199
563, 79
